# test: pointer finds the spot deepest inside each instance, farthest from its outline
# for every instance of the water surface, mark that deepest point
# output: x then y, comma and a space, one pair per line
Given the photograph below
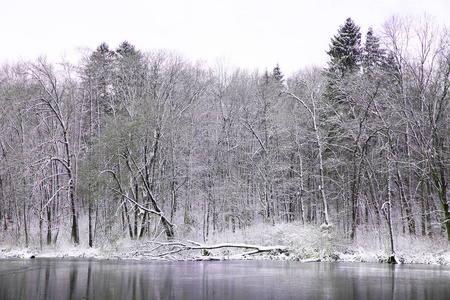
114, 279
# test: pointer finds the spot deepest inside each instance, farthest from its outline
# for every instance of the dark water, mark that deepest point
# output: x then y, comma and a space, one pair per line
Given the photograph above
110, 279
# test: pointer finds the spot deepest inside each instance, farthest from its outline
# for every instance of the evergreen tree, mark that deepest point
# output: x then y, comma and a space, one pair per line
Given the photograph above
97, 77
345, 49
277, 75
100, 66
130, 75
126, 49
373, 54
103, 49
266, 78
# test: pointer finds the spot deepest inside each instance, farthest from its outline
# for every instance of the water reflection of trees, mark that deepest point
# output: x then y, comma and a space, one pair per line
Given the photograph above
96, 279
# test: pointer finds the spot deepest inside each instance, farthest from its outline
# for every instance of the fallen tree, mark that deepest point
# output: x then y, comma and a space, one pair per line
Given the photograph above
161, 251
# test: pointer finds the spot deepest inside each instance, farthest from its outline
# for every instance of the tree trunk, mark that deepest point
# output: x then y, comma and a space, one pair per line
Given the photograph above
49, 225
354, 194
91, 237
127, 219
389, 202
25, 223
322, 176
74, 233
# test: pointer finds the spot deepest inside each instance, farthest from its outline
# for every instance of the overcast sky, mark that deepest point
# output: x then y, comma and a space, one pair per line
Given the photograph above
246, 33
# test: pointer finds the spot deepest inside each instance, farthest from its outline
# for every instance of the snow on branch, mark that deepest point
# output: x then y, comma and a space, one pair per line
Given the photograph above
177, 247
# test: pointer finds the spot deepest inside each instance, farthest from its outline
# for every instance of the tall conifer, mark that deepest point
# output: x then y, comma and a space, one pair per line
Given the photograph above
277, 74
373, 54
345, 49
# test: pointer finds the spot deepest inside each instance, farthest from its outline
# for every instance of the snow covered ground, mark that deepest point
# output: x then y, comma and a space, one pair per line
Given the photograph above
305, 243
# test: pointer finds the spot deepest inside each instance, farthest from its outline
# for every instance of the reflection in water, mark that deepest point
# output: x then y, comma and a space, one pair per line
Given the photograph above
105, 279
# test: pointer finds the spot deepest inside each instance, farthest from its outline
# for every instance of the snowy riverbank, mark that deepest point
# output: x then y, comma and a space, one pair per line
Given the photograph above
303, 243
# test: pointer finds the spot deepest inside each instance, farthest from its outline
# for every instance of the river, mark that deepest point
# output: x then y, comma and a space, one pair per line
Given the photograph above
51, 278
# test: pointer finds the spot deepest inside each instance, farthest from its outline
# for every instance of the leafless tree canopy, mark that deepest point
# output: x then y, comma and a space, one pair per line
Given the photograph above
149, 145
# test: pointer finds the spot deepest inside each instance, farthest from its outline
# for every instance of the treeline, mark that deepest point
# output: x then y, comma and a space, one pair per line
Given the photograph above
147, 144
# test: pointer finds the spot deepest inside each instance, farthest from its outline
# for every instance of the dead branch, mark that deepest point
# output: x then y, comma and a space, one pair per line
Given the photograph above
178, 247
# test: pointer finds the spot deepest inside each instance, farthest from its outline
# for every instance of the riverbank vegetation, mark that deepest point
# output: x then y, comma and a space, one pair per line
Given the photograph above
303, 243
132, 148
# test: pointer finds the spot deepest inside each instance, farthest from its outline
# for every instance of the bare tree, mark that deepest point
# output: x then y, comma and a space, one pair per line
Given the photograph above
55, 101
312, 93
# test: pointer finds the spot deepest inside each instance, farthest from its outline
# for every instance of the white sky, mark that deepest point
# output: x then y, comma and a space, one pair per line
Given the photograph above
245, 33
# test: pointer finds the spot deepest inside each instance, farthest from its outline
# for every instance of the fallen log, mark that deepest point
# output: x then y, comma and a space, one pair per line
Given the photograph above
177, 247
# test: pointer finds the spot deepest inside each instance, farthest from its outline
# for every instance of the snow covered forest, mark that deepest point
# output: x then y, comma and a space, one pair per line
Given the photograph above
147, 145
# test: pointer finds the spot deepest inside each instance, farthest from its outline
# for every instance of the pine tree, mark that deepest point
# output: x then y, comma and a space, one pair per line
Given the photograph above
277, 74
265, 78
373, 54
130, 66
126, 49
345, 49
97, 75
